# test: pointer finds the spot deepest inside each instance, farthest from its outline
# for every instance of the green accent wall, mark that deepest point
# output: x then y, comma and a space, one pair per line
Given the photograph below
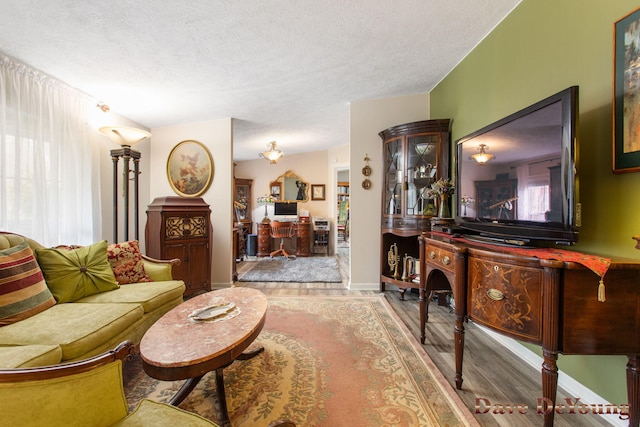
542, 47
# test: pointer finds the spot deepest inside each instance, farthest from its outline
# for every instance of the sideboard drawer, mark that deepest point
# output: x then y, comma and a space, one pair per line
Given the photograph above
440, 258
506, 297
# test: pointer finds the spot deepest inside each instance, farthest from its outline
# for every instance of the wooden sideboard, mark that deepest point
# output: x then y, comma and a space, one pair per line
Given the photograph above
546, 302
302, 238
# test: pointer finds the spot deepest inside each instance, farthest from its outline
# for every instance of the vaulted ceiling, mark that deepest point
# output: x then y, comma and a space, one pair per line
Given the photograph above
285, 70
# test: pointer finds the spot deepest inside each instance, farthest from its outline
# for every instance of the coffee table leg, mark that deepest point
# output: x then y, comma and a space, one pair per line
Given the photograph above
191, 383
184, 391
249, 354
224, 413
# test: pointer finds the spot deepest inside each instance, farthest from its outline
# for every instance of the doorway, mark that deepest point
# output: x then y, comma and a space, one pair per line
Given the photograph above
342, 209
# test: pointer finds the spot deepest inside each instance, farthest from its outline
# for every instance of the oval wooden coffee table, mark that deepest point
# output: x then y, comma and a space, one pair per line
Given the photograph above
177, 347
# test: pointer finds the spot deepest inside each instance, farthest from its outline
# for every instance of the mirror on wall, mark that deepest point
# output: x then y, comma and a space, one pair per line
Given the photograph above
289, 187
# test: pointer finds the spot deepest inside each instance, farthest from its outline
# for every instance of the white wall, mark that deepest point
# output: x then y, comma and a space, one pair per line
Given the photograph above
216, 135
321, 167
368, 118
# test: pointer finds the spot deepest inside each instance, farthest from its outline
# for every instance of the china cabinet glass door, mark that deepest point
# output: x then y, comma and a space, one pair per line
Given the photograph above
422, 167
393, 179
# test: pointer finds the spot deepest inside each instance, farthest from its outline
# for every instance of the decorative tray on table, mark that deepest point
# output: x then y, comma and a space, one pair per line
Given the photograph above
213, 312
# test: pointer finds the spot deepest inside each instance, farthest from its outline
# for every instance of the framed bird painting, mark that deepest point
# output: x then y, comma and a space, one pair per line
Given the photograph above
190, 168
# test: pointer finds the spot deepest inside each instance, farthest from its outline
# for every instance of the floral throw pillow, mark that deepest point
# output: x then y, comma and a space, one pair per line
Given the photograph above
126, 262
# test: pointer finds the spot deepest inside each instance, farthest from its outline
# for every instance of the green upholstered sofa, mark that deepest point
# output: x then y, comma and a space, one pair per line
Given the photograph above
92, 323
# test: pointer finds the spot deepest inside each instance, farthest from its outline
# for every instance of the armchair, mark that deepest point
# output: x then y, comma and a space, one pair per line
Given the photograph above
89, 392
86, 393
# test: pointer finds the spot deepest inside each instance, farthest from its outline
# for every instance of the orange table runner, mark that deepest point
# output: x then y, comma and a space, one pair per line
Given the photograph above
597, 264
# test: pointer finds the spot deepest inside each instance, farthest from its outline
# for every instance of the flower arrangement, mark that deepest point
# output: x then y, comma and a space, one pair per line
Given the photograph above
442, 189
242, 199
443, 186
464, 201
467, 200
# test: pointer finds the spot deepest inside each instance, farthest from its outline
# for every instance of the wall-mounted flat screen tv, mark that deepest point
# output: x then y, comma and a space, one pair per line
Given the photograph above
527, 190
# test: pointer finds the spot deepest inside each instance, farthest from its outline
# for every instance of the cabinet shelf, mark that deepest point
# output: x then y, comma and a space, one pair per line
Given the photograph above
397, 282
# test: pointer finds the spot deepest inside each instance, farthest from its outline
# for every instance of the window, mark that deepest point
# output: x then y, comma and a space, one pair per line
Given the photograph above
538, 201
49, 187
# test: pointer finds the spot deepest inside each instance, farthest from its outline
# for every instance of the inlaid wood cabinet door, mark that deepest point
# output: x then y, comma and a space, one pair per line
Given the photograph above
506, 297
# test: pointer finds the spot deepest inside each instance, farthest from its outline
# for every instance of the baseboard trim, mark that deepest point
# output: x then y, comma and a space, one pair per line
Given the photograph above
566, 382
363, 286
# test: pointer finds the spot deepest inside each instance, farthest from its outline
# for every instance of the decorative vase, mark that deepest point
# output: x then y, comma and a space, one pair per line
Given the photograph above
443, 210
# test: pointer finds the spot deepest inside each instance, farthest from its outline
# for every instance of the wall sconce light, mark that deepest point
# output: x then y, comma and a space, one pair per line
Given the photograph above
273, 154
482, 156
104, 107
125, 137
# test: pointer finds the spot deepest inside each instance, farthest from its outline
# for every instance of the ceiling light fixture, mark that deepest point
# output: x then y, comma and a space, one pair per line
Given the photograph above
482, 156
273, 154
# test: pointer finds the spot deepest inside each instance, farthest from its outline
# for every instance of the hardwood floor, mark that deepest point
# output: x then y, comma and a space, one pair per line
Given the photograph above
489, 372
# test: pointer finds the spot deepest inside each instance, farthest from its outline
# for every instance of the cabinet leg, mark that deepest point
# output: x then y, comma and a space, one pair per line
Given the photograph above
549, 384
423, 306
458, 339
402, 291
633, 390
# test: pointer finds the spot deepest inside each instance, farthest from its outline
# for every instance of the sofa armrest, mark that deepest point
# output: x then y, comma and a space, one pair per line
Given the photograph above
88, 392
158, 269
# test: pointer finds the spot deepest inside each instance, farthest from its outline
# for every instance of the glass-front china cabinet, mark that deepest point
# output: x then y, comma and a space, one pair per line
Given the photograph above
415, 155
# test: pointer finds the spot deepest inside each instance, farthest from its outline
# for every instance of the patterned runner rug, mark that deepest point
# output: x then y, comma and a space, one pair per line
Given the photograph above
328, 361
301, 270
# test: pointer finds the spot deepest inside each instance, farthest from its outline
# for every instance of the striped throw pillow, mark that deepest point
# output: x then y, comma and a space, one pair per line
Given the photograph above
23, 291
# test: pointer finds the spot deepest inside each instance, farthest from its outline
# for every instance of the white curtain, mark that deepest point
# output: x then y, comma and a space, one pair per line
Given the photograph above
49, 159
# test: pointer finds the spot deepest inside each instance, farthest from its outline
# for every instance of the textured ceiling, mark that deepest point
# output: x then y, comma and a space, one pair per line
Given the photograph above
285, 70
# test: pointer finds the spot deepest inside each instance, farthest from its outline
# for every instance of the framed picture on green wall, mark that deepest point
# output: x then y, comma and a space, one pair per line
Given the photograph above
626, 94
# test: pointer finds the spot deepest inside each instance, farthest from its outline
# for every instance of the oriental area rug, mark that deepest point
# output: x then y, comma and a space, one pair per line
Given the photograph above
328, 361
280, 269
